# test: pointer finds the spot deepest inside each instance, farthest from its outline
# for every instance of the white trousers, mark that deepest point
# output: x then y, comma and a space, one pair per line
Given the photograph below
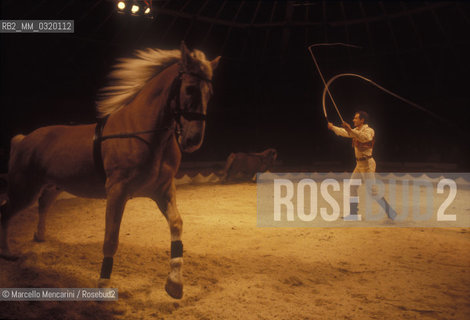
365, 171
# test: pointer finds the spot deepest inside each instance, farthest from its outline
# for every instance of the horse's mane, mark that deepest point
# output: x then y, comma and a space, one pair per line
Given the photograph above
129, 77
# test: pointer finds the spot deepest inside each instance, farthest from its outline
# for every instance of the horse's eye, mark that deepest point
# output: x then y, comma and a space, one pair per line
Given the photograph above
191, 90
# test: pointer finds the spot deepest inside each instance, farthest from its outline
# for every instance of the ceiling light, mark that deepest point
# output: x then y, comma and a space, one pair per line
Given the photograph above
135, 8
121, 5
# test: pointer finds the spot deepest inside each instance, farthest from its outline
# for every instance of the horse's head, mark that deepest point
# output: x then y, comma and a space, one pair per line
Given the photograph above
194, 95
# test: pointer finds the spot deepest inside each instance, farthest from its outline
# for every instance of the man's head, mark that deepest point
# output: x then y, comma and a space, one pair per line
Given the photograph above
360, 118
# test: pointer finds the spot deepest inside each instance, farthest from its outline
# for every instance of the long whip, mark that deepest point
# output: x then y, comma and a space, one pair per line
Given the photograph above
321, 75
417, 106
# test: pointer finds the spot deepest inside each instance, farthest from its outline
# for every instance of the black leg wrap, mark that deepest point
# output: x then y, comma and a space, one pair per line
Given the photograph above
353, 209
176, 249
106, 268
391, 213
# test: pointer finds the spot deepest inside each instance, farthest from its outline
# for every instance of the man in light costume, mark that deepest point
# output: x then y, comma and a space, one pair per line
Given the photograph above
363, 138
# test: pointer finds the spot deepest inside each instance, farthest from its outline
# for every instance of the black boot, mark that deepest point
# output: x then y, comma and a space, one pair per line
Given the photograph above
391, 213
353, 210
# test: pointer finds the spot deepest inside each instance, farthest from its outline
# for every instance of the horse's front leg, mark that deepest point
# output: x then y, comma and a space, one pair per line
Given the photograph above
116, 201
167, 205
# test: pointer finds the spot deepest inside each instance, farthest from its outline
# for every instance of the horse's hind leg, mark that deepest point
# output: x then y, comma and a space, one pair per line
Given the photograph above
21, 194
47, 198
6, 215
167, 205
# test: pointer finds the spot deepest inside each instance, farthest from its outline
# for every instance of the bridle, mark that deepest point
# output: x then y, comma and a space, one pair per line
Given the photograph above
173, 103
177, 111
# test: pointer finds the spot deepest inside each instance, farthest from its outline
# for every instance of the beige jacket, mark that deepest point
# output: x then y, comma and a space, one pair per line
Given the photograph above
363, 139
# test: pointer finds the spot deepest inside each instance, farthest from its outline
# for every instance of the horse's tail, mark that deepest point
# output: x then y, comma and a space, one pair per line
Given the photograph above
15, 141
228, 165
4, 177
3, 190
3, 193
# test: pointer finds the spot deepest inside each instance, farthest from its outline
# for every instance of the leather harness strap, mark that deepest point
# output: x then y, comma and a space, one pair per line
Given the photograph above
97, 138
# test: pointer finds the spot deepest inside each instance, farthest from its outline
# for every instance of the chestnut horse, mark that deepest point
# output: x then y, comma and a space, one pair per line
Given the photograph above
155, 108
241, 166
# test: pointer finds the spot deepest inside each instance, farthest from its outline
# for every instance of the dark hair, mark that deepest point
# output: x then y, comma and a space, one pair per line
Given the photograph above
363, 116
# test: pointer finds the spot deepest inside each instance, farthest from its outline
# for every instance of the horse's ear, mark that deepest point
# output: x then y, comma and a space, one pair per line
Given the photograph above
186, 57
215, 63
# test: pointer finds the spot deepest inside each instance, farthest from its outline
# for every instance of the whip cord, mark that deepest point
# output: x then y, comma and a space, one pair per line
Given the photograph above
321, 75
327, 85
417, 106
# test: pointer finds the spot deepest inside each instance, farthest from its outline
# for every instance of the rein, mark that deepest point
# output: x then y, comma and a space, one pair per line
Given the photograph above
177, 113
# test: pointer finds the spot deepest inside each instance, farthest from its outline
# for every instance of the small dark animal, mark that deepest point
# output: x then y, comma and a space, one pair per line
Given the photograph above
243, 166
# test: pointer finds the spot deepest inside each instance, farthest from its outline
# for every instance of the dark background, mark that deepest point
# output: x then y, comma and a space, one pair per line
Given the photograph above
267, 90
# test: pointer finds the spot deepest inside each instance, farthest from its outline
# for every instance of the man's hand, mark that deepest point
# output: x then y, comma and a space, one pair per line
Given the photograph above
330, 125
347, 126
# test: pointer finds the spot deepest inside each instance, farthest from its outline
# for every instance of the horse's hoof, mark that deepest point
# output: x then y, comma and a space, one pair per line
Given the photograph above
174, 289
104, 283
38, 238
9, 256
